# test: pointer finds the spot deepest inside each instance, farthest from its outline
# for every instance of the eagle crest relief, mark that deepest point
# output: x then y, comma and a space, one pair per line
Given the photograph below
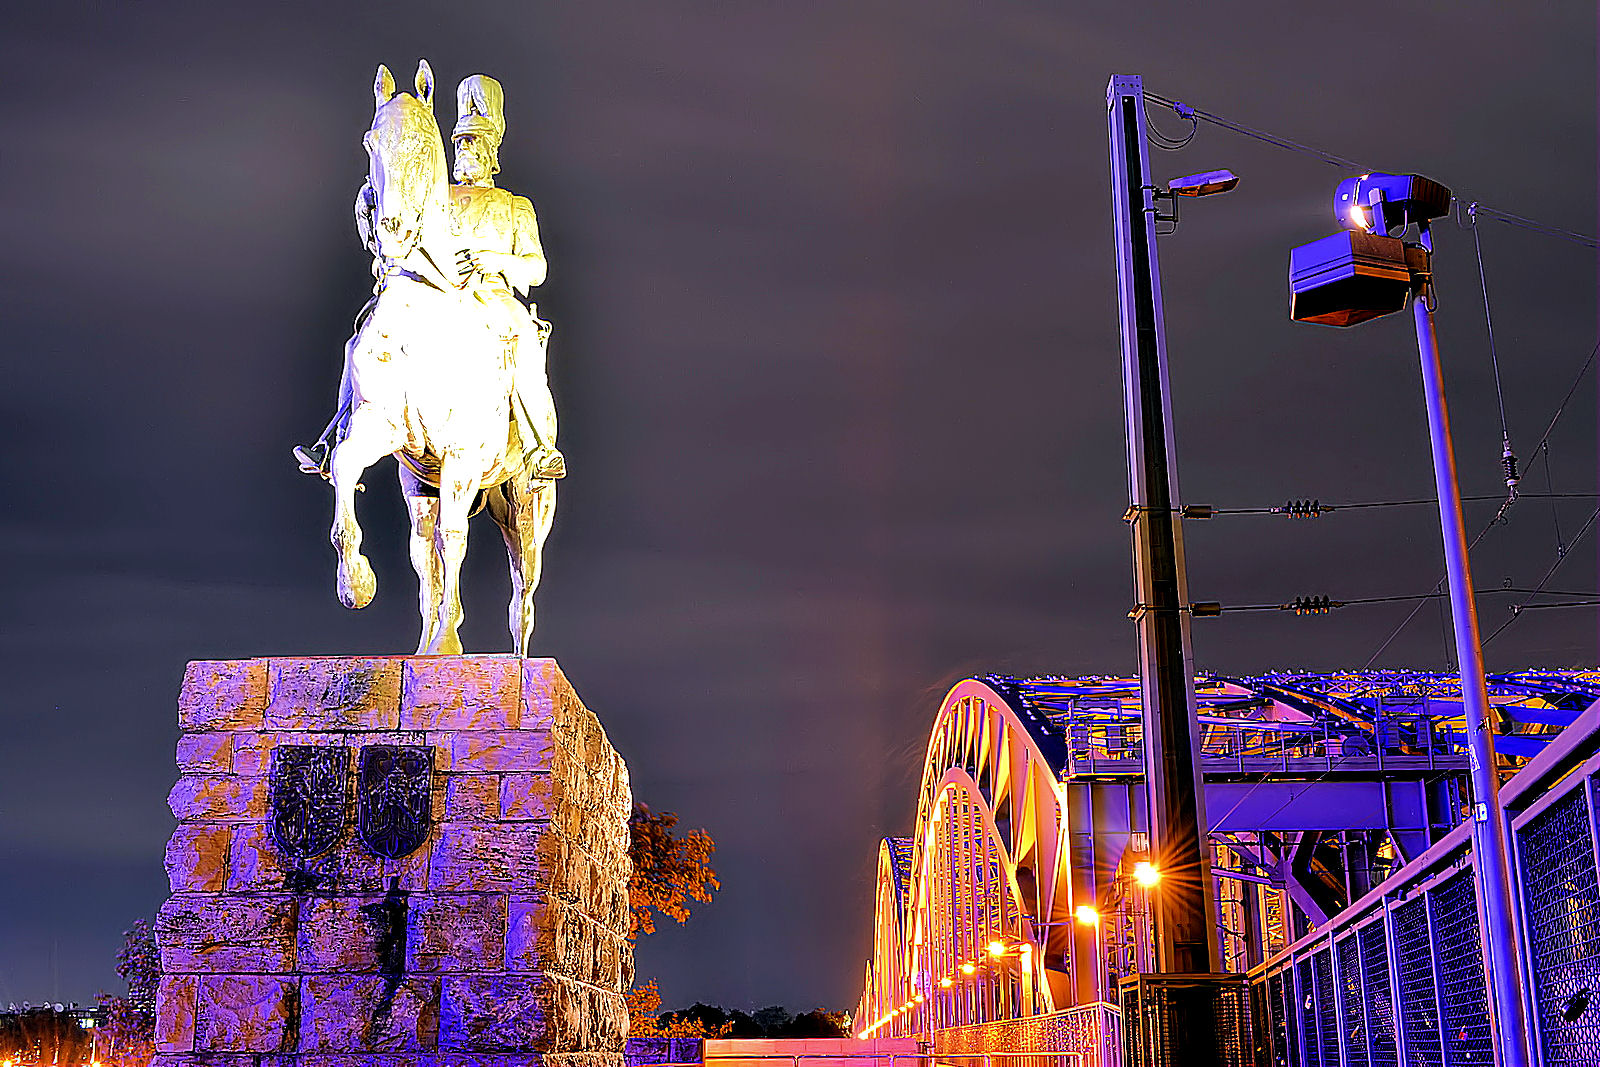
307, 798
394, 798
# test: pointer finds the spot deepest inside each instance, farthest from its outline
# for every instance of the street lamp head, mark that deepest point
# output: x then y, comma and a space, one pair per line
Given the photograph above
1212, 181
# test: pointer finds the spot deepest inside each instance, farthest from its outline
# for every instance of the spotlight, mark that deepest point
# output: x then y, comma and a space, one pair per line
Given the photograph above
1384, 203
1087, 915
1363, 272
1146, 873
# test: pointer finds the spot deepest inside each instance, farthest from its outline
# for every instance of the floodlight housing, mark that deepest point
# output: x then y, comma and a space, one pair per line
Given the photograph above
1212, 181
1351, 277
1387, 203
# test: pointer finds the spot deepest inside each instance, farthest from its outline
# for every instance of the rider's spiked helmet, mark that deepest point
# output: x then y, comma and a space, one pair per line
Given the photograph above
480, 109
480, 105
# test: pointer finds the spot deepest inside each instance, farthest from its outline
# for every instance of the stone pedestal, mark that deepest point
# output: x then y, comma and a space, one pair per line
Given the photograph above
498, 939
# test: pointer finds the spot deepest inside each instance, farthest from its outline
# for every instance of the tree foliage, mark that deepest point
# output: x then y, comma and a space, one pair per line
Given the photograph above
129, 1030
669, 871
773, 1021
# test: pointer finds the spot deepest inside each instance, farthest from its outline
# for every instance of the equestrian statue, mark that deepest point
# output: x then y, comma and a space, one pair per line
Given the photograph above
446, 370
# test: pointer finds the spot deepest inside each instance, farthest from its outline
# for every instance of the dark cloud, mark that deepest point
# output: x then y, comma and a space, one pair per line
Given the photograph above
838, 371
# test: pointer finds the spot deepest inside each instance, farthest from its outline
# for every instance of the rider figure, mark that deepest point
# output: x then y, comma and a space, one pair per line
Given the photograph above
500, 252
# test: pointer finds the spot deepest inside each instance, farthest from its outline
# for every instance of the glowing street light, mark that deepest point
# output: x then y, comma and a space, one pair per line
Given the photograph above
946, 982
969, 968
1146, 873
997, 949
1087, 914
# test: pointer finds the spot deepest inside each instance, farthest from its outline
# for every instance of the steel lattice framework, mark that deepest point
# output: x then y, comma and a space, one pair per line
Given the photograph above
1013, 900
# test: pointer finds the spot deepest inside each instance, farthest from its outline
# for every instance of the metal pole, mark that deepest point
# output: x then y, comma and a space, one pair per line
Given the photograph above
1182, 906
1488, 820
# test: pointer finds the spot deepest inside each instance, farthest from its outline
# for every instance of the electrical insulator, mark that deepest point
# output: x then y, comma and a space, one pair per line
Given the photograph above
1312, 605
1508, 460
1303, 509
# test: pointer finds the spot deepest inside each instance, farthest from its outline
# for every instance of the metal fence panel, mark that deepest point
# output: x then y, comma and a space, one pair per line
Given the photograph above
1306, 1005
1327, 1009
1557, 869
1463, 994
1352, 1000
1281, 1037
1419, 1006
1379, 994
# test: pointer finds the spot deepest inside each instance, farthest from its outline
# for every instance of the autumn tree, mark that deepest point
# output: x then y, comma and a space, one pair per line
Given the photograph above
669, 872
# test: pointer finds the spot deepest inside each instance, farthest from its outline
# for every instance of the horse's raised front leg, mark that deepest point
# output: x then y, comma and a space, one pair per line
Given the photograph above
423, 504
456, 493
524, 511
370, 438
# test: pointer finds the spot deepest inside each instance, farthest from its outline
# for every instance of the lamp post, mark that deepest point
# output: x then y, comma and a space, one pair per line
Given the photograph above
1350, 278
1183, 914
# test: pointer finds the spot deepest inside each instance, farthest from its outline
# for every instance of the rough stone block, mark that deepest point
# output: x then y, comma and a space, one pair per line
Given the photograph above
456, 932
197, 858
333, 694
208, 752
251, 754
472, 797
219, 797
254, 865
483, 752
369, 1013
495, 1013
223, 695
490, 857
175, 1007
524, 797
546, 694
334, 934
215, 934
246, 1013
462, 693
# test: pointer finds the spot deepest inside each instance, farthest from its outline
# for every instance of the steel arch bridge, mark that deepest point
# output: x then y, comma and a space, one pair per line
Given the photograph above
1008, 916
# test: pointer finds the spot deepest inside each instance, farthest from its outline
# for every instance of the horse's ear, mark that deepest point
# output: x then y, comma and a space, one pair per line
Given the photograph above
425, 84
382, 86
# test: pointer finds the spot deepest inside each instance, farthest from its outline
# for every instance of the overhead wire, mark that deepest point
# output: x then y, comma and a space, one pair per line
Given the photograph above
1315, 508
1193, 113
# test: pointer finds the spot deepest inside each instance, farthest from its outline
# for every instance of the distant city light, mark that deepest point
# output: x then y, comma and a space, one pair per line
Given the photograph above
1146, 873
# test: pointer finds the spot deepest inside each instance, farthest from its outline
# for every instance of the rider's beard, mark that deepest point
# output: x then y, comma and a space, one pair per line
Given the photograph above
471, 167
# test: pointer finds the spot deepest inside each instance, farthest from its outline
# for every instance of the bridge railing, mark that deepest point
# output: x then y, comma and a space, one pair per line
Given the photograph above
1090, 1032
1399, 976
1249, 746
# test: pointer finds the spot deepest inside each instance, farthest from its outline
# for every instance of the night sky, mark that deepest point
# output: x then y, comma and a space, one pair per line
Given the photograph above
838, 373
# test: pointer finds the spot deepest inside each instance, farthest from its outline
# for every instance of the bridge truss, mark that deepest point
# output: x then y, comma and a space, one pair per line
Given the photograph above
1014, 904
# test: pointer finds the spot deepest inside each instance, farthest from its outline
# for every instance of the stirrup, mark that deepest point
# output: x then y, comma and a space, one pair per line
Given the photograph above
314, 459
552, 466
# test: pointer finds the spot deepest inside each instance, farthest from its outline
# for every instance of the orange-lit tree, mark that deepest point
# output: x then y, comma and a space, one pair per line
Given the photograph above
669, 873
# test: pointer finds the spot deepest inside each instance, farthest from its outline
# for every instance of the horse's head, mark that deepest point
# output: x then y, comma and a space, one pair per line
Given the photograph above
406, 161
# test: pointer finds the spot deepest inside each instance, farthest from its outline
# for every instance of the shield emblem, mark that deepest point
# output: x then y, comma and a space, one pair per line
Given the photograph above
306, 798
394, 798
